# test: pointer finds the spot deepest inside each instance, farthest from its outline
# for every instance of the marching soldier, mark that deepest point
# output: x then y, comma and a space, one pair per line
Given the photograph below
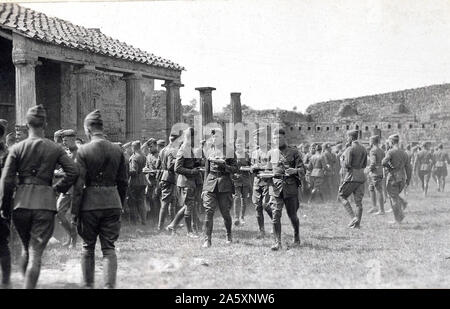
260, 196
425, 165
186, 166
33, 160
440, 168
5, 254
167, 181
376, 155
64, 201
137, 184
399, 171
288, 168
98, 198
354, 161
241, 182
218, 188
150, 166
317, 167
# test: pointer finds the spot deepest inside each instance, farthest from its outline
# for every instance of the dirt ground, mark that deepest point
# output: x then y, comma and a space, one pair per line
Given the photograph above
379, 255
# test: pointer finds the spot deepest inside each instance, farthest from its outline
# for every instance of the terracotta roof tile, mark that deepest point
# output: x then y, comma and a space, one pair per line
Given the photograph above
38, 26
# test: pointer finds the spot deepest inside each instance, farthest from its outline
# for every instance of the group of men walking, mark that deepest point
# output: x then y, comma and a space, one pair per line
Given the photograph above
101, 181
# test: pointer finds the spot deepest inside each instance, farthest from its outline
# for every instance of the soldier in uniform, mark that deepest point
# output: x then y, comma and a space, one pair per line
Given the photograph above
136, 185
21, 133
150, 176
260, 195
218, 188
199, 154
376, 155
241, 182
354, 161
425, 165
186, 166
64, 201
58, 136
288, 168
33, 162
5, 254
317, 167
399, 172
440, 168
329, 185
98, 197
167, 181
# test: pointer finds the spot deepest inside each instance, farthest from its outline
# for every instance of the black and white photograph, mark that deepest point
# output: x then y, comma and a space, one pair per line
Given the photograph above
204, 146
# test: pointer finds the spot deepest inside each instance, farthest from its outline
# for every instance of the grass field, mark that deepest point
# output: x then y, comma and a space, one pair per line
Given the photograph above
379, 255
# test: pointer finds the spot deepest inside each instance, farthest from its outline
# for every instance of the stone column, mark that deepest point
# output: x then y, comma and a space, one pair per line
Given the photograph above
25, 86
85, 86
206, 107
134, 107
173, 104
236, 109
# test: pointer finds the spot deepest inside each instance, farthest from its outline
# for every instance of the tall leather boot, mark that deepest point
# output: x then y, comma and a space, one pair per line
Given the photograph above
243, 208
110, 270
162, 215
88, 270
176, 221
350, 212
260, 219
228, 224
296, 225
359, 212
236, 210
33, 271
277, 236
5, 262
208, 233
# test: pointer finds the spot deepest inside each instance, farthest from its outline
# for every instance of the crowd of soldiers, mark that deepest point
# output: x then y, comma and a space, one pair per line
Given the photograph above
149, 182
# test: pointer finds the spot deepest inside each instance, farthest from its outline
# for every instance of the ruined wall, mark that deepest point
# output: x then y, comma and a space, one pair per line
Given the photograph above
155, 115
7, 84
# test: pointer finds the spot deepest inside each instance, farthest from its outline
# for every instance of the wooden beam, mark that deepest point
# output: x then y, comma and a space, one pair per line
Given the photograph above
65, 54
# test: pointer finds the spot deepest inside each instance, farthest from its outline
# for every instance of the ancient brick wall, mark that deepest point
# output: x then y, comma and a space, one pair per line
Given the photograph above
155, 114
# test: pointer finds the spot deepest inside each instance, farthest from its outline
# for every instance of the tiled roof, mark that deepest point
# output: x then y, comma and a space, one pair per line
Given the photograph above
38, 26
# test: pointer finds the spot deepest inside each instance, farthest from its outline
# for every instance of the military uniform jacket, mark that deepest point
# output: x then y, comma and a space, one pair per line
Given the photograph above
279, 160
32, 163
200, 156
3, 155
151, 164
441, 158
242, 178
376, 155
331, 161
186, 167
103, 177
166, 163
137, 164
354, 161
219, 176
259, 158
317, 165
397, 164
424, 160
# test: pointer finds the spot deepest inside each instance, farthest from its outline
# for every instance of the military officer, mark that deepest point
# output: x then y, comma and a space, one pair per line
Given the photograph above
21, 133
288, 168
150, 176
329, 183
64, 201
218, 187
58, 136
260, 195
440, 168
317, 167
32, 162
376, 155
167, 181
137, 184
425, 164
354, 161
5, 254
399, 172
187, 168
241, 182
98, 197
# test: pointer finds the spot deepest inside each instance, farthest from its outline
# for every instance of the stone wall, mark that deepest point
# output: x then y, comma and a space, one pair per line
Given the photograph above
155, 115
7, 84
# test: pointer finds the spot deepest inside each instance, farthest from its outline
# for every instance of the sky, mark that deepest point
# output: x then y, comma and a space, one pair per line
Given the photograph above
282, 53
